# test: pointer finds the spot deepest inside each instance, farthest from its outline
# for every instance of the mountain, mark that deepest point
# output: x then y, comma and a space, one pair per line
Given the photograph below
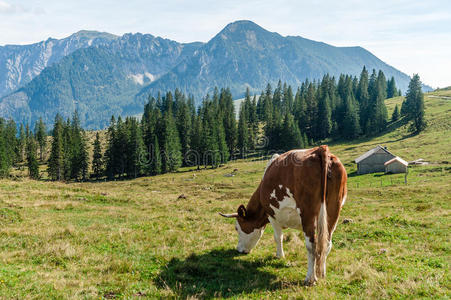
98, 81
19, 64
245, 55
117, 77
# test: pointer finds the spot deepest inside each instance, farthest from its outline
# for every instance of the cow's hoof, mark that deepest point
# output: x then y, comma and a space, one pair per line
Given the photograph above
310, 282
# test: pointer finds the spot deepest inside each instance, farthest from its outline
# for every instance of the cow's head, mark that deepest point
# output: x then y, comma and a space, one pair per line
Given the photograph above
249, 233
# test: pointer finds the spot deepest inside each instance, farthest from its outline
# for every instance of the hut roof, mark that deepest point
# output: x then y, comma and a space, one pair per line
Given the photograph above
371, 152
398, 159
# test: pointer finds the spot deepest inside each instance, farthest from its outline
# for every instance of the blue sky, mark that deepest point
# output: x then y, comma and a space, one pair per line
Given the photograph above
413, 36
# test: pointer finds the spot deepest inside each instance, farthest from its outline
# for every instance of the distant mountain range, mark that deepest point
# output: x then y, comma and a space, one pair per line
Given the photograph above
101, 74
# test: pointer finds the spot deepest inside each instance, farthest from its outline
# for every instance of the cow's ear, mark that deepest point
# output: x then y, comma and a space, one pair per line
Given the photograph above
242, 211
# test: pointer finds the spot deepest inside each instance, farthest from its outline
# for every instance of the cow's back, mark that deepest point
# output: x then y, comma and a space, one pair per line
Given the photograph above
297, 174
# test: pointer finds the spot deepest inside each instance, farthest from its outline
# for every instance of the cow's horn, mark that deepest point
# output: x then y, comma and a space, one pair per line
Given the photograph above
234, 215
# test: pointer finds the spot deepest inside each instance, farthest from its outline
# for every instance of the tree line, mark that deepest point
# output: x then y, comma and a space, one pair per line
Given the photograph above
174, 133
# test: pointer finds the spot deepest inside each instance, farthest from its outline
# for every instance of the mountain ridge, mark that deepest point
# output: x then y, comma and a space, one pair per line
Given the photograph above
117, 77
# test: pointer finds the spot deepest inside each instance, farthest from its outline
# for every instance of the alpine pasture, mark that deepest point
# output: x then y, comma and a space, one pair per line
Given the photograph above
139, 239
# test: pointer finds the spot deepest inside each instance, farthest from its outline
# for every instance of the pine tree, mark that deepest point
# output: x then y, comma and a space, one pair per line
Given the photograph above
395, 115
41, 137
56, 159
97, 160
32, 162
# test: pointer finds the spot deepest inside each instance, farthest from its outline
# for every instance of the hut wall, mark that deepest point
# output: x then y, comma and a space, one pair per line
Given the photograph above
395, 167
374, 163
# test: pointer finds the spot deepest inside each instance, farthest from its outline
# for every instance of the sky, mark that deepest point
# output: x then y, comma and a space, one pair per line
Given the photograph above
413, 36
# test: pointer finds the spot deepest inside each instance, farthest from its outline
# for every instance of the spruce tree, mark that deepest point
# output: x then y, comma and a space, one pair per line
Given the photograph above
242, 141
290, 135
155, 159
5, 156
21, 143
110, 153
77, 149
391, 88
97, 159
41, 137
229, 120
136, 153
56, 159
172, 157
10, 134
414, 105
351, 125
324, 117
395, 115
32, 162
363, 97
183, 121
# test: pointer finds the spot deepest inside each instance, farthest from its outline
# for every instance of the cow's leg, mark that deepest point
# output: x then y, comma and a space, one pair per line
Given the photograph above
329, 247
310, 244
278, 237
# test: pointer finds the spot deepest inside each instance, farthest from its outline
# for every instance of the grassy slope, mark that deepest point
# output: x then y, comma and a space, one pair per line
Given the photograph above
135, 238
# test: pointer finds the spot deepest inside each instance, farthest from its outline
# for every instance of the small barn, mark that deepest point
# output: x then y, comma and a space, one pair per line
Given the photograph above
396, 165
374, 160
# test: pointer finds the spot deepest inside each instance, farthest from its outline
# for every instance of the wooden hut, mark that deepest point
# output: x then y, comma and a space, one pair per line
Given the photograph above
396, 165
374, 160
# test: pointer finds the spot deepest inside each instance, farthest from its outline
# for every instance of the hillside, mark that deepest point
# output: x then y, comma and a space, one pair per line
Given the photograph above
138, 239
118, 77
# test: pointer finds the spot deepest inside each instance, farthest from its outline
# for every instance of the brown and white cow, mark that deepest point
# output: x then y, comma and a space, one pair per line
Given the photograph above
301, 189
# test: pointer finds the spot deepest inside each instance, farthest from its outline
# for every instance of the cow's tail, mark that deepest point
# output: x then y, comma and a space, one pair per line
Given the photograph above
323, 232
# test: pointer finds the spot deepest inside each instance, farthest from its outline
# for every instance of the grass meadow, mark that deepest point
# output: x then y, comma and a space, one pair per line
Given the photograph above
138, 239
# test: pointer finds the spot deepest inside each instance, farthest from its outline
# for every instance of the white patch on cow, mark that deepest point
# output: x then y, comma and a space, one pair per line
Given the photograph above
343, 201
273, 194
280, 186
311, 274
247, 241
278, 236
287, 214
289, 194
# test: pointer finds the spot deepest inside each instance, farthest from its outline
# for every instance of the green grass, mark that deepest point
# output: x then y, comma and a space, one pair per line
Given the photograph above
135, 239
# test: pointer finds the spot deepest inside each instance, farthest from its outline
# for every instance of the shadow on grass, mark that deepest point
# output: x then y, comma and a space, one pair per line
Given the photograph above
218, 273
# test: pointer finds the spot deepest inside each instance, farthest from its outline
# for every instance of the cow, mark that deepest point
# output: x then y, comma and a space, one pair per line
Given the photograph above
301, 189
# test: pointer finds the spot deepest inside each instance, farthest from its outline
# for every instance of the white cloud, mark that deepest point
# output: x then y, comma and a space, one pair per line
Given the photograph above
6, 8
